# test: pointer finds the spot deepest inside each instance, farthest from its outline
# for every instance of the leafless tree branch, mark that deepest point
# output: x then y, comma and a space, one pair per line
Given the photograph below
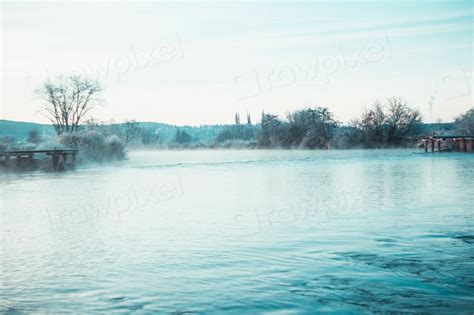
68, 100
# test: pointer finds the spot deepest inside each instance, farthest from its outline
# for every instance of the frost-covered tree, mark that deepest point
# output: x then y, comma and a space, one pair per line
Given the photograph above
389, 124
67, 100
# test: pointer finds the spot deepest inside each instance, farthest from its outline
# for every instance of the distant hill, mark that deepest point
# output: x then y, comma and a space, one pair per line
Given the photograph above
18, 130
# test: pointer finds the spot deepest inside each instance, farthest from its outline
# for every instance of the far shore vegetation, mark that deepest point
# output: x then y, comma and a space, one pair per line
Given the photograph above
69, 103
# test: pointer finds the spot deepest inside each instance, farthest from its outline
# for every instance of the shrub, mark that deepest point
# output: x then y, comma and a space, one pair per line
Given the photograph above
114, 148
94, 146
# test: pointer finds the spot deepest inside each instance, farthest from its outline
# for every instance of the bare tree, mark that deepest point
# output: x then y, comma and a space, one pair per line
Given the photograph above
400, 120
68, 100
311, 127
389, 124
182, 137
33, 137
149, 136
371, 125
465, 122
131, 130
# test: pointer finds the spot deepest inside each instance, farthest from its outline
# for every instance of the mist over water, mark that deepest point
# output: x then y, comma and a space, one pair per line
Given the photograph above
242, 231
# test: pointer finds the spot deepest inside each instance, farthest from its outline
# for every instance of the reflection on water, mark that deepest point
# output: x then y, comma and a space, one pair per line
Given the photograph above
242, 231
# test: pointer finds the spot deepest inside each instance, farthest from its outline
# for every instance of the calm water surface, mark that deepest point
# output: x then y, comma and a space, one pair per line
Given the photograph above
242, 231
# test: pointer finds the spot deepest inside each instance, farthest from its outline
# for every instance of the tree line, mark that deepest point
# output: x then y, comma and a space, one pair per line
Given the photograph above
388, 124
391, 123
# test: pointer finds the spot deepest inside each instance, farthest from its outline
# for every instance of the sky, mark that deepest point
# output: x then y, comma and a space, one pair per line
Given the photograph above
200, 62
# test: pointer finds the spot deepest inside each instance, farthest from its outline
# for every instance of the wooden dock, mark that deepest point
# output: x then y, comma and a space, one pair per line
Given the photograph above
59, 157
448, 143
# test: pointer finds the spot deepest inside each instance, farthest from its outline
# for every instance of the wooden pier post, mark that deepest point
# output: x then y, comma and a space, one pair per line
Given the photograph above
439, 145
425, 144
30, 159
18, 160
74, 158
55, 161
432, 145
61, 161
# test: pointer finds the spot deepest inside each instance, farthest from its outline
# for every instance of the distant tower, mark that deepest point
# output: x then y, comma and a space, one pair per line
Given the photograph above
237, 118
430, 103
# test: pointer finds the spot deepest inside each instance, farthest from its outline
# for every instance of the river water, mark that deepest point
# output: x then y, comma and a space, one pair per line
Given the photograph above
242, 232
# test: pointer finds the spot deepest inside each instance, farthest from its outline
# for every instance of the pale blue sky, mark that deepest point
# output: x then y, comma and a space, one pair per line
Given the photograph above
199, 63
